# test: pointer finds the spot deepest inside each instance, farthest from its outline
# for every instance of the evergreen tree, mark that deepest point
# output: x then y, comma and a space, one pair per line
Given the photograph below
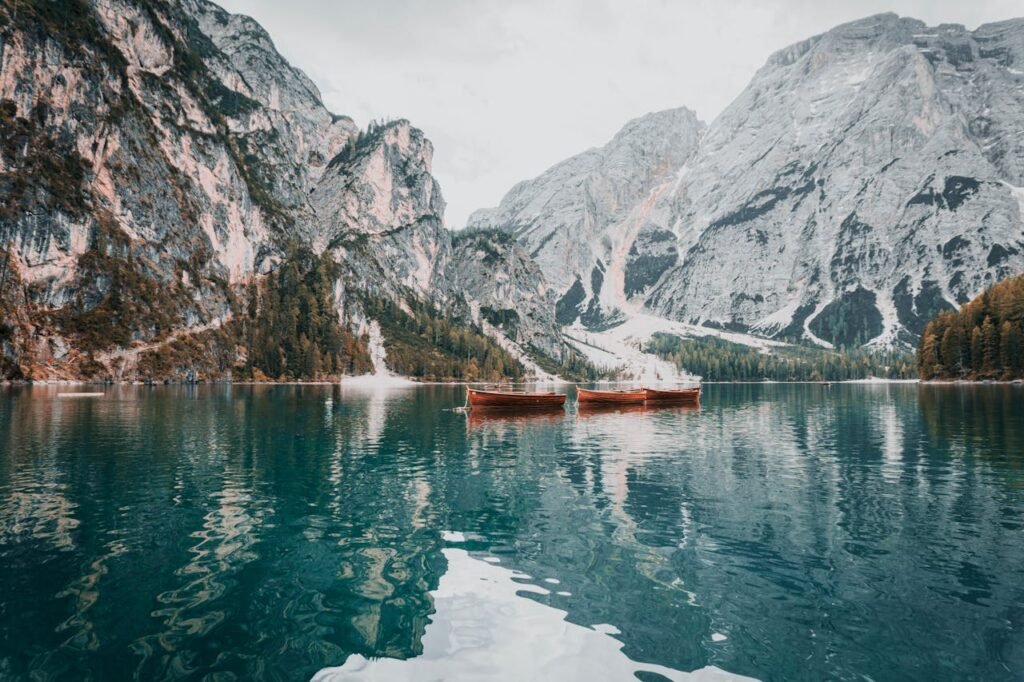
977, 350
990, 348
292, 329
981, 340
1011, 348
928, 363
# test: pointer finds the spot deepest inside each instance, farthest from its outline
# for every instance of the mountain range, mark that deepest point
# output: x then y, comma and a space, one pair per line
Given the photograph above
865, 180
177, 202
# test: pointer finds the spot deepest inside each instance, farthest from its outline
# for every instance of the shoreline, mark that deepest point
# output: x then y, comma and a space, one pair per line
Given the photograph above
373, 381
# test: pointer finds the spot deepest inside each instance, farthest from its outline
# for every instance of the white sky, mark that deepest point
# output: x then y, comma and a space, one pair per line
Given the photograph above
505, 89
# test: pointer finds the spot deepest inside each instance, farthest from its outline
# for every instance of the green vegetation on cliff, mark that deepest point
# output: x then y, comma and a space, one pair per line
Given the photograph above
422, 343
291, 328
982, 340
118, 299
715, 359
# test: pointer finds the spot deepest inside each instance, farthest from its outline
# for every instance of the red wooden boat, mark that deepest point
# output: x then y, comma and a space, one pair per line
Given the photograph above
626, 396
683, 395
478, 398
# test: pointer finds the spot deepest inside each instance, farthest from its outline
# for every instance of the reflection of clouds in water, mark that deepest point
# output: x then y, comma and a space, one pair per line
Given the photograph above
484, 629
890, 427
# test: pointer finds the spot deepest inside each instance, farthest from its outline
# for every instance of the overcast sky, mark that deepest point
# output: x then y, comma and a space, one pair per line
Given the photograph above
505, 89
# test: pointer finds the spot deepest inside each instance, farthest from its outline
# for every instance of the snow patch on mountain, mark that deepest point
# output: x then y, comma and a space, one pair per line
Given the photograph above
620, 350
1018, 194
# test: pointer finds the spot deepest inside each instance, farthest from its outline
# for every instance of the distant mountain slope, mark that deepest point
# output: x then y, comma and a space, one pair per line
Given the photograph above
579, 218
866, 179
159, 158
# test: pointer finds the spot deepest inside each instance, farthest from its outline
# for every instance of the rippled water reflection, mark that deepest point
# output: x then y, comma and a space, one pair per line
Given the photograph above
779, 532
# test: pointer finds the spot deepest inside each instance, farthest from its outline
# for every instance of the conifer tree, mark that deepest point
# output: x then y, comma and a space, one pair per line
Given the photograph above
988, 333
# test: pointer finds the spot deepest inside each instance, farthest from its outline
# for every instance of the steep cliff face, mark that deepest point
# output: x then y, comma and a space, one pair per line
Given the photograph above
580, 218
866, 179
159, 158
380, 212
506, 289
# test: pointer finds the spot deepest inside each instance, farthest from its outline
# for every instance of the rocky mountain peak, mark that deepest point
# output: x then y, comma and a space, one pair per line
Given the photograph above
828, 156
579, 218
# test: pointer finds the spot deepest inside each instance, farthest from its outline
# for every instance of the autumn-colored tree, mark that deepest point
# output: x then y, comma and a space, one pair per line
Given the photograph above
1011, 348
984, 339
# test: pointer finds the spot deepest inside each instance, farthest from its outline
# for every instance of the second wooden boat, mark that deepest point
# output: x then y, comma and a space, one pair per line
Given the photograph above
549, 399
683, 395
627, 396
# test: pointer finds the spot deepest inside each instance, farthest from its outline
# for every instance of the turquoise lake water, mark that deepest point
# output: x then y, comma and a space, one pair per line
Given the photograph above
290, 532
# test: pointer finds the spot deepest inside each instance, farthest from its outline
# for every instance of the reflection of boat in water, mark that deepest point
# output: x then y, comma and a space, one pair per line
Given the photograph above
587, 410
683, 395
515, 399
479, 416
615, 397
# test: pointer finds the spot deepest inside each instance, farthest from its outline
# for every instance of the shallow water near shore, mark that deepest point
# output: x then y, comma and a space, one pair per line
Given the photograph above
285, 532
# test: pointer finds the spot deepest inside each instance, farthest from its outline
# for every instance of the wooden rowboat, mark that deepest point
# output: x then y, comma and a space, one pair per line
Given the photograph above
684, 395
617, 397
517, 399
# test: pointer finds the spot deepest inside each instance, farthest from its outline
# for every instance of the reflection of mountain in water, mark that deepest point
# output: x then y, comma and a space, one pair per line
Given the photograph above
277, 531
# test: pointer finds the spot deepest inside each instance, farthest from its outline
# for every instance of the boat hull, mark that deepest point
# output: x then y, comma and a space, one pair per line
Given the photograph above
686, 395
479, 398
585, 395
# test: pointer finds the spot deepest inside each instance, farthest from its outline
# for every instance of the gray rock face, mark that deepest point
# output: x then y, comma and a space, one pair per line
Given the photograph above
579, 218
866, 179
162, 155
505, 287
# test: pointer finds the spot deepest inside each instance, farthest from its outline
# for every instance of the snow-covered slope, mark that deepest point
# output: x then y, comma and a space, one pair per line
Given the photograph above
620, 350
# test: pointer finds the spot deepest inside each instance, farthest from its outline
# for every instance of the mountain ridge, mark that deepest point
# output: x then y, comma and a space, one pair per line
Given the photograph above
851, 154
160, 160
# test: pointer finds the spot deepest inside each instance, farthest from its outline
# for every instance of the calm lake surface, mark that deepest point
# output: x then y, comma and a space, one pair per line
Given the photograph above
778, 532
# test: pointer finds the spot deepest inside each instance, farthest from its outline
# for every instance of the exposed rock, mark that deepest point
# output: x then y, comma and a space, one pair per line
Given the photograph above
579, 218
506, 288
865, 179
860, 170
158, 157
